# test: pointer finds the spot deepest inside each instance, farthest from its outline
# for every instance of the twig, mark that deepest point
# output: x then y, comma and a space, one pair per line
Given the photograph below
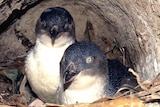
138, 79
150, 92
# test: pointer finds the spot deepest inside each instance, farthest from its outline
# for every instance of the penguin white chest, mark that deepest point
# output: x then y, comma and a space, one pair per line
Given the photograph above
43, 70
80, 93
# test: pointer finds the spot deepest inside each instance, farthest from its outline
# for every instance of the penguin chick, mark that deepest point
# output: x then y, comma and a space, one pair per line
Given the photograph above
55, 31
84, 74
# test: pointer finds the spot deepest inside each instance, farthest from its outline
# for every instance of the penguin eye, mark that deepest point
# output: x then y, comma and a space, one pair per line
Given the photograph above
89, 59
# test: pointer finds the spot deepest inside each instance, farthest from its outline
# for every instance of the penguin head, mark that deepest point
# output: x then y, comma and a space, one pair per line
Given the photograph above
55, 25
81, 64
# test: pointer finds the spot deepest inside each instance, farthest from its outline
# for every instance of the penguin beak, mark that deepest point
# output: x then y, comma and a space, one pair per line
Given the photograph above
53, 40
68, 79
69, 76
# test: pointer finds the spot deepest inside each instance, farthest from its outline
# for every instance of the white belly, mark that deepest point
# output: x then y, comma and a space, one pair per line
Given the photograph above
43, 70
88, 95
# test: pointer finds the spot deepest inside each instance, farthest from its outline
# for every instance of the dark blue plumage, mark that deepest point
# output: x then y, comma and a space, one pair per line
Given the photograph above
119, 73
78, 53
53, 21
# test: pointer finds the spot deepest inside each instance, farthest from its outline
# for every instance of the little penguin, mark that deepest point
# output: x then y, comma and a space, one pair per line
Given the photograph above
84, 74
55, 31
